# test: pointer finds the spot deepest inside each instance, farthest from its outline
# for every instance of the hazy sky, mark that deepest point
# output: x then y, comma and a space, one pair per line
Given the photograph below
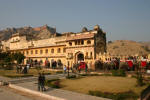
120, 19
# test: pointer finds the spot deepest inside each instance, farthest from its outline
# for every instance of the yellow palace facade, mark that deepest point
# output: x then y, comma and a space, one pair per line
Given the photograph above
69, 48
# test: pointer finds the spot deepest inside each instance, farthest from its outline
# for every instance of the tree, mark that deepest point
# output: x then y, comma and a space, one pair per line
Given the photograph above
19, 57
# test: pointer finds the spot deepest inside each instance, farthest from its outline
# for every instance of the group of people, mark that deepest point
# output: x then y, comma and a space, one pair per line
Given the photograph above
78, 67
22, 69
41, 82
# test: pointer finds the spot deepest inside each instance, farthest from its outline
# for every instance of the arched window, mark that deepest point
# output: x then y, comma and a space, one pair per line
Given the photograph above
58, 50
27, 52
46, 51
91, 54
82, 42
41, 51
52, 50
64, 50
88, 42
31, 51
36, 51
86, 54
76, 43
70, 43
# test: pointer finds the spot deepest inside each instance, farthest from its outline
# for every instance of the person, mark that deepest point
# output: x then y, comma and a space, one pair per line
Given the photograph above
86, 68
48, 64
17, 68
68, 70
43, 82
25, 70
65, 68
28, 66
39, 82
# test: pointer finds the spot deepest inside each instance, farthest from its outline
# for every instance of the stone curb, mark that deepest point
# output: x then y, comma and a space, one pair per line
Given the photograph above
35, 92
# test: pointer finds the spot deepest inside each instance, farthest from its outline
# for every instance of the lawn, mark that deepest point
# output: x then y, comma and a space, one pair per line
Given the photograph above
32, 72
108, 84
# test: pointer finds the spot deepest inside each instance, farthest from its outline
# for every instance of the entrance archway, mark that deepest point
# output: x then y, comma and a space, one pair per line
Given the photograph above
79, 56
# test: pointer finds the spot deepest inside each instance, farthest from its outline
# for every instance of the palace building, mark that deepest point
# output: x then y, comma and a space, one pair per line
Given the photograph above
69, 48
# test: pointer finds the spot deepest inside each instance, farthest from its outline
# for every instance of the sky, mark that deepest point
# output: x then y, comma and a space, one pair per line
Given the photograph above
120, 19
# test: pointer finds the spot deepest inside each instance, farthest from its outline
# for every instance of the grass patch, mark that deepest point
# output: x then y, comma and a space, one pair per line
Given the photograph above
14, 74
130, 95
54, 83
59, 72
118, 73
18, 75
104, 84
89, 74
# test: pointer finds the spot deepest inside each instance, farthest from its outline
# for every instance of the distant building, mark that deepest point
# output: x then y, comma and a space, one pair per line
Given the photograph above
69, 48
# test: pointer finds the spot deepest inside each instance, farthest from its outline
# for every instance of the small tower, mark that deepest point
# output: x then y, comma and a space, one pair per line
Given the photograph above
84, 29
96, 27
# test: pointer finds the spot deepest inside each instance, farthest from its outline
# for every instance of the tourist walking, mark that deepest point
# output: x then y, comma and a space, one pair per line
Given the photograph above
40, 82
43, 82
65, 69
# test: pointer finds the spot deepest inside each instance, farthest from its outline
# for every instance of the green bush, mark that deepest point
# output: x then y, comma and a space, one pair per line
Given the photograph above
59, 72
118, 73
9, 67
139, 79
89, 75
71, 77
115, 96
54, 83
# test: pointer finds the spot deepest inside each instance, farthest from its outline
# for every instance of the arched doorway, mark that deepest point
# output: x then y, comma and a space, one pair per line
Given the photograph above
79, 57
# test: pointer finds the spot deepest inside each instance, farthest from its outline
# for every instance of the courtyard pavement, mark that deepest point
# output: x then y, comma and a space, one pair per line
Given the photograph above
64, 94
30, 83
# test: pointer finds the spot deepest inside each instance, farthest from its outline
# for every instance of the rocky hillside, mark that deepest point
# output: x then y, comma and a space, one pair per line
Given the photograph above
42, 32
126, 47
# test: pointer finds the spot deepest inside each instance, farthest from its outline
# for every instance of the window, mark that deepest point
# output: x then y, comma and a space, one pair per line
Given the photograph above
78, 42
52, 50
31, 51
88, 42
58, 50
75, 42
70, 43
86, 53
41, 51
36, 51
64, 50
91, 54
82, 42
46, 51
27, 52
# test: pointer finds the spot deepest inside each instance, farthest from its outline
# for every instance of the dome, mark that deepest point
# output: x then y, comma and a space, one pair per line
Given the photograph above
96, 27
84, 29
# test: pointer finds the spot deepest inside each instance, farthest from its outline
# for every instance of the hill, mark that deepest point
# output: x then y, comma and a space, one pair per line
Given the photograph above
42, 32
127, 47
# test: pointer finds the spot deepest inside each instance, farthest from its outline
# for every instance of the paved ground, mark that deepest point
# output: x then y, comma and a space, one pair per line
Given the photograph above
68, 95
10, 94
31, 83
